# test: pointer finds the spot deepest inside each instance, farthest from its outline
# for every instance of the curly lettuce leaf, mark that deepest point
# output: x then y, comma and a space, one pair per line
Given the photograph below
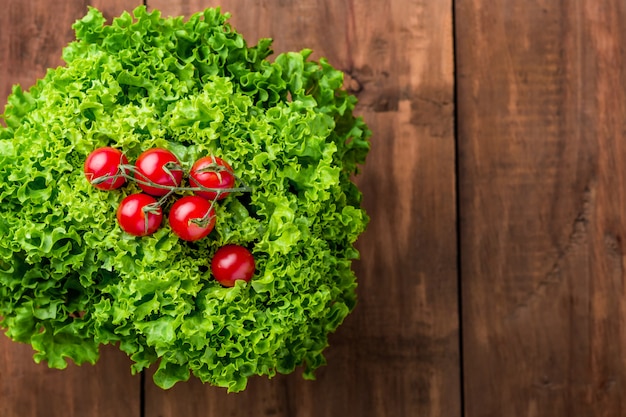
71, 280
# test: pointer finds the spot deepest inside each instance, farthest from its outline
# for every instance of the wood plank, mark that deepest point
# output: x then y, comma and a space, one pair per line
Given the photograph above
29, 390
541, 113
32, 34
397, 354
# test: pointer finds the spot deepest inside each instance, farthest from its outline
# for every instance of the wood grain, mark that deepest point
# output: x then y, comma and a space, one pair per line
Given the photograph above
30, 390
541, 151
33, 34
541, 113
397, 354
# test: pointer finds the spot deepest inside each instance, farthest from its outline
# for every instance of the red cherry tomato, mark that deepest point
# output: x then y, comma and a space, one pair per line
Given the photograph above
158, 171
192, 218
231, 263
102, 168
139, 215
211, 172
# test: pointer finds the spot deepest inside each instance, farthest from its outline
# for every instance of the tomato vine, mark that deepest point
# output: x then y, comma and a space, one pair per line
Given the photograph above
159, 173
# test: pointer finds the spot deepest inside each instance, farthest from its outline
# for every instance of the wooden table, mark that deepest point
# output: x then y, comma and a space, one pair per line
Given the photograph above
492, 279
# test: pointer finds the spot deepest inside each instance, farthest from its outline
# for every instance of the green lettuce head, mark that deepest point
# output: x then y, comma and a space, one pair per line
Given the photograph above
71, 279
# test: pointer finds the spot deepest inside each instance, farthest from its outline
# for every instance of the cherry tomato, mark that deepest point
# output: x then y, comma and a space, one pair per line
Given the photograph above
139, 214
231, 263
102, 168
192, 218
158, 171
211, 172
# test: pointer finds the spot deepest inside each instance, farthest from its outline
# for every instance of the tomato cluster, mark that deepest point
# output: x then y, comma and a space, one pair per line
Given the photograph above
159, 174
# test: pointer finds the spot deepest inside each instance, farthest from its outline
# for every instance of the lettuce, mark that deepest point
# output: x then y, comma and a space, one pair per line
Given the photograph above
70, 280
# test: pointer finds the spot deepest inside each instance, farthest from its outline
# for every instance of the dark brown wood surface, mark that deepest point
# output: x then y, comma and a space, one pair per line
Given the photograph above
527, 265
542, 178
30, 390
32, 34
397, 354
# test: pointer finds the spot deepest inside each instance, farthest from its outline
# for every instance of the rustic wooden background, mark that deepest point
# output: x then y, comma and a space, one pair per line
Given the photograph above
492, 279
